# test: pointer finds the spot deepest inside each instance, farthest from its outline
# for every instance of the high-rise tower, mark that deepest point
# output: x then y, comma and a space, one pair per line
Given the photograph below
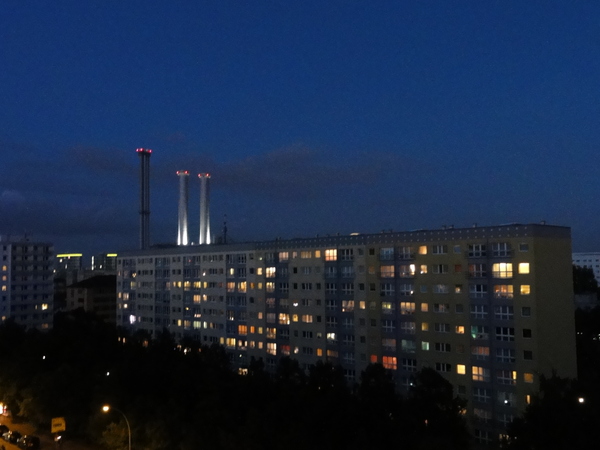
204, 208
144, 197
182, 223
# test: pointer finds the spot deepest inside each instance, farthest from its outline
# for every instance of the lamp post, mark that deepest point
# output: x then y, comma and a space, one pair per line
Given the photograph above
107, 408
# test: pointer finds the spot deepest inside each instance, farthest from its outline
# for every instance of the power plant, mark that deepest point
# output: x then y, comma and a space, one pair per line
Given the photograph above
182, 222
182, 219
144, 197
204, 208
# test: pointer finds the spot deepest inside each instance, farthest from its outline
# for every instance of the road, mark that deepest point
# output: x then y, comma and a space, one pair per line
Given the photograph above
46, 439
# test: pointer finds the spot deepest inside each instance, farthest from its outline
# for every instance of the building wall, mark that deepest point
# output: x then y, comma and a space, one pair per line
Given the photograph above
590, 260
26, 283
490, 308
96, 294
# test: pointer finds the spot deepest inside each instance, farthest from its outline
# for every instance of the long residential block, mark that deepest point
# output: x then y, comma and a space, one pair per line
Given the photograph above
490, 308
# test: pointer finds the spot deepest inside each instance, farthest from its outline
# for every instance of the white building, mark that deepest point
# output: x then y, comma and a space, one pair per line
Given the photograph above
589, 260
26, 282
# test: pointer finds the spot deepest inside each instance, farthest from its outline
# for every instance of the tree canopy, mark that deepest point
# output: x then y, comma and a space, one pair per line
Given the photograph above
178, 395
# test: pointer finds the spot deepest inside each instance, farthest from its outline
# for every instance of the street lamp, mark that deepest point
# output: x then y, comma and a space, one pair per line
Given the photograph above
107, 408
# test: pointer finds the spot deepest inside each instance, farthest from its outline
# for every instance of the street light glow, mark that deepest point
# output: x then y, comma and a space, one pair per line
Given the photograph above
107, 408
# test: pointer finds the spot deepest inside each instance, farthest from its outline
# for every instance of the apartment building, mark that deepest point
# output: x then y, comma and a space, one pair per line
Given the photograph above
96, 294
588, 260
490, 308
26, 282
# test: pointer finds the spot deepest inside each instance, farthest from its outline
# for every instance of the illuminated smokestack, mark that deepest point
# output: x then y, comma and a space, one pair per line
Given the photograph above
204, 211
144, 197
182, 224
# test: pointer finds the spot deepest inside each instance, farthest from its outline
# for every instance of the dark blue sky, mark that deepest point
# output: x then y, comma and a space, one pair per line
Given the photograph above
314, 117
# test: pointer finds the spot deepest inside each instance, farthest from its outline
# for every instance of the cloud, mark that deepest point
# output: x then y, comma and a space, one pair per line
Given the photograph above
10, 197
300, 173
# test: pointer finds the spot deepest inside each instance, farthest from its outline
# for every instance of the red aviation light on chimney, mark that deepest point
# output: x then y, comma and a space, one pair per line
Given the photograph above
143, 150
182, 172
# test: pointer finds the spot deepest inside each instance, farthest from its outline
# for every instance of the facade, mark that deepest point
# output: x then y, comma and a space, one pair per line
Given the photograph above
490, 308
68, 262
26, 282
589, 260
96, 294
105, 261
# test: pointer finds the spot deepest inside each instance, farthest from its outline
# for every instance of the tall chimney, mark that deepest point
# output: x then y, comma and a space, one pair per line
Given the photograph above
144, 197
182, 223
204, 210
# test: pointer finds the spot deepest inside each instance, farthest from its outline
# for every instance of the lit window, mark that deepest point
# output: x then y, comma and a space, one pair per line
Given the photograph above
425, 345
424, 307
387, 307
461, 369
460, 329
528, 377
331, 254
387, 271
423, 250
284, 319
270, 272
505, 376
406, 270
480, 373
407, 307
390, 362
503, 291
525, 289
425, 326
523, 267
480, 352
502, 270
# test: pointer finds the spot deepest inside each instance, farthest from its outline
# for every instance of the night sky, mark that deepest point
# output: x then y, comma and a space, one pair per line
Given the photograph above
313, 117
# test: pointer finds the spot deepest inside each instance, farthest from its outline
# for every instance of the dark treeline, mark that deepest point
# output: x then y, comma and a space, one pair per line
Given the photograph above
566, 413
186, 396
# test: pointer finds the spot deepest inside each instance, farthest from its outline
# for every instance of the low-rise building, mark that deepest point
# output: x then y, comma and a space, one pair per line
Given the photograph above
97, 294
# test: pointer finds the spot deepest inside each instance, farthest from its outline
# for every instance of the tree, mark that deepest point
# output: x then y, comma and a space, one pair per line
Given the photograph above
556, 418
584, 281
436, 415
